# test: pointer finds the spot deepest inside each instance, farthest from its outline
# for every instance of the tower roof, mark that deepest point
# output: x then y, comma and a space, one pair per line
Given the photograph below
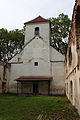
38, 19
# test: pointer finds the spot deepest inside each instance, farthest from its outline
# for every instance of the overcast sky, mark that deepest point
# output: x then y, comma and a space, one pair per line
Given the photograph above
13, 13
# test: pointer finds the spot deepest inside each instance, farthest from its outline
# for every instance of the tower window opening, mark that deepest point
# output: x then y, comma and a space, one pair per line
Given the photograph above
37, 31
35, 63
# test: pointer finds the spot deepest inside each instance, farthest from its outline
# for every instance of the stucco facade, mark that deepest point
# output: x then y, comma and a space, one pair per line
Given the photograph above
38, 68
72, 61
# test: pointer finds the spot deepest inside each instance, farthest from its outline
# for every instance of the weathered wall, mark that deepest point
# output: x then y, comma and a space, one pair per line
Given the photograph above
4, 76
55, 55
72, 60
37, 49
46, 67
74, 96
58, 73
73, 75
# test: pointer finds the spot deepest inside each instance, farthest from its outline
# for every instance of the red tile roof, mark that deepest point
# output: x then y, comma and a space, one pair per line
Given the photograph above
38, 19
33, 78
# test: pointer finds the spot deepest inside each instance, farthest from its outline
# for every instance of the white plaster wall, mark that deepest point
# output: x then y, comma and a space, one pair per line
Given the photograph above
38, 51
28, 69
58, 82
44, 31
37, 48
55, 55
57, 71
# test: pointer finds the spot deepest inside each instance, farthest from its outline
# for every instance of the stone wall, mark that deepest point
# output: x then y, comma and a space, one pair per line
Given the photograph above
72, 60
4, 76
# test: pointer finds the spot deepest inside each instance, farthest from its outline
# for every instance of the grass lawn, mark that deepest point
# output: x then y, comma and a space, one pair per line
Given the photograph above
31, 108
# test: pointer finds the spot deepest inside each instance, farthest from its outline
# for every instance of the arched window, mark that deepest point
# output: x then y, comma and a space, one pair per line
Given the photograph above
79, 86
37, 31
67, 88
71, 90
70, 56
78, 26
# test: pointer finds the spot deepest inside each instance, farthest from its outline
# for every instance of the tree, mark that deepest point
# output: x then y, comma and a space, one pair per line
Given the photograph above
10, 43
3, 42
60, 28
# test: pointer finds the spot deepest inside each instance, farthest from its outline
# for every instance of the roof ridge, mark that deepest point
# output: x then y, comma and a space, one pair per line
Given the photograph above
37, 19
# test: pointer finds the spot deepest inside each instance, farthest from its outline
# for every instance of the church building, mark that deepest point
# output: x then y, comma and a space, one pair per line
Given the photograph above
38, 69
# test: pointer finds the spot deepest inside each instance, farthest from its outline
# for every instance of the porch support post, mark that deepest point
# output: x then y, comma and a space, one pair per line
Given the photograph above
17, 87
48, 87
21, 87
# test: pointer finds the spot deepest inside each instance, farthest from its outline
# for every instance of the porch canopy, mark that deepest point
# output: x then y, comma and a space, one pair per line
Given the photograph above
33, 78
23, 79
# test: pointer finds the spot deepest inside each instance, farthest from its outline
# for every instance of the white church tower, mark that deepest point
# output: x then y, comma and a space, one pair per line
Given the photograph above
38, 24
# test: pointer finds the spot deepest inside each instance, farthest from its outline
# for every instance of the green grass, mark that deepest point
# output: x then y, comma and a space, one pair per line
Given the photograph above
29, 108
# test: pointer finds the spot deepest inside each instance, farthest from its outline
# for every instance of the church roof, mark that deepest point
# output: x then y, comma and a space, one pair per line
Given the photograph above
38, 19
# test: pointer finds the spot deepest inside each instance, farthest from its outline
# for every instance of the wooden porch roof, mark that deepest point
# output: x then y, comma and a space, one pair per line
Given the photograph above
33, 78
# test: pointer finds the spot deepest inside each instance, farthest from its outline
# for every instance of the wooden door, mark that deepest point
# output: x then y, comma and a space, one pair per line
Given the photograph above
35, 88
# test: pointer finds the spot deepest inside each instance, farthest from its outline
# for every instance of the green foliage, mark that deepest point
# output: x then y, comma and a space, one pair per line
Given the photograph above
60, 32
10, 43
29, 108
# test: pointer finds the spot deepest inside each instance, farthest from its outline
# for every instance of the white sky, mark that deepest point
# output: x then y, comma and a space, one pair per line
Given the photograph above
13, 13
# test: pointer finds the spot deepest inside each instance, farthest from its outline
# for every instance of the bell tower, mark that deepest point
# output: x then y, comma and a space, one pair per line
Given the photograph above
38, 26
